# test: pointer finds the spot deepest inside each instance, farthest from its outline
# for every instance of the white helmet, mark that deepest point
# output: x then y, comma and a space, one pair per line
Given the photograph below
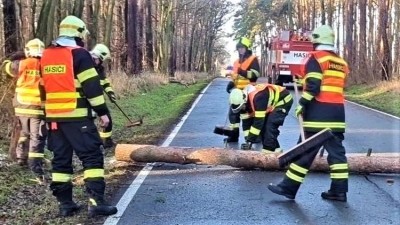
101, 52
237, 100
34, 48
72, 26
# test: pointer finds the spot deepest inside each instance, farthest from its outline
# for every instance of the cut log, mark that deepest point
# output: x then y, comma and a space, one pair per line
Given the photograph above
376, 163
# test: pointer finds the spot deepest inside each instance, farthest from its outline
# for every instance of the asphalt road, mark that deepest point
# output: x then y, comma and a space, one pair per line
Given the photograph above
192, 194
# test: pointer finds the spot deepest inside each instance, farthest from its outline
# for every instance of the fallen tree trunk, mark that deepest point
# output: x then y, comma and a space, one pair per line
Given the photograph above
376, 163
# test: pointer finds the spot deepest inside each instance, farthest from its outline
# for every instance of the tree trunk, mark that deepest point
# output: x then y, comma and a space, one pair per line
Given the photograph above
149, 37
383, 41
323, 12
377, 163
50, 21
78, 8
362, 59
132, 37
41, 30
110, 11
10, 26
396, 44
330, 13
349, 33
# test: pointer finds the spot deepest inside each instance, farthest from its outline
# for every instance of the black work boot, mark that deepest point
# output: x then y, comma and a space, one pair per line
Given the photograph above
329, 195
231, 139
68, 208
280, 191
100, 207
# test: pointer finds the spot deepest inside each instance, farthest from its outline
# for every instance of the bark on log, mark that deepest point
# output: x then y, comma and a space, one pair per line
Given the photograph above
360, 163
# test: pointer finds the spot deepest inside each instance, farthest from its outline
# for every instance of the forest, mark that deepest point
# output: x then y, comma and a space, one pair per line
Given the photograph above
186, 35
143, 35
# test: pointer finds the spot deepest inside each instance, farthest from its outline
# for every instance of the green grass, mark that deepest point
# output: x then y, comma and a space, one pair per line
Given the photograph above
159, 109
384, 96
21, 200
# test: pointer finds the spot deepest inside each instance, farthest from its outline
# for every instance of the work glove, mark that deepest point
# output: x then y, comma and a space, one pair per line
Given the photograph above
242, 73
299, 110
230, 86
3, 67
112, 97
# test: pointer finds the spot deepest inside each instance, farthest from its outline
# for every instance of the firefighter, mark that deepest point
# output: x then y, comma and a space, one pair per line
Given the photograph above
28, 106
246, 70
263, 109
72, 91
322, 106
99, 54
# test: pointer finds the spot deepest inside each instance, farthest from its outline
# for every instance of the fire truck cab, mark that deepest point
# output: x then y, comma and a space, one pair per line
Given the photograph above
286, 53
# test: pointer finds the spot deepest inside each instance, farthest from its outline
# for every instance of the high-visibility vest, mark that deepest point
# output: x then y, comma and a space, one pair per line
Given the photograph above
334, 72
27, 94
59, 84
241, 82
274, 95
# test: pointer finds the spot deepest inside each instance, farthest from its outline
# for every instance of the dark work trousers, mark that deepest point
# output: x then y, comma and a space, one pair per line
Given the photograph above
336, 156
234, 120
106, 132
83, 138
273, 121
31, 142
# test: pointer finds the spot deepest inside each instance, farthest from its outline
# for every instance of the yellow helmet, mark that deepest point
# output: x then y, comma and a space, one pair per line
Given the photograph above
72, 26
34, 48
323, 35
101, 52
244, 42
237, 100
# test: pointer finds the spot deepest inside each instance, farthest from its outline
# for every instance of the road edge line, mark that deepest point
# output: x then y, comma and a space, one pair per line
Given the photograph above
137, 182
375, 110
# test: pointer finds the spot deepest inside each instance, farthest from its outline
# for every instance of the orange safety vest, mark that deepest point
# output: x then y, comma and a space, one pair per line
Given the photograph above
27, 98
334, 71
274, 95
241, 82
59, 82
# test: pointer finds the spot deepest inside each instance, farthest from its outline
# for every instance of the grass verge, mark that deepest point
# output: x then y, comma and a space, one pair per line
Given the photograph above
23, 201
384, 96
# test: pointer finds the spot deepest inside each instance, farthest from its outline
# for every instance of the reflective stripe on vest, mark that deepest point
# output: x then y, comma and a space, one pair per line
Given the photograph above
241, 82
27, 87
274, 95
59, 83
334, 71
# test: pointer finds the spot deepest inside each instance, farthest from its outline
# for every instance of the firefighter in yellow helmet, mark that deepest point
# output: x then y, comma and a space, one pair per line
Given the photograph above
28, 106
246, 70
72, 90
322, 106
100, 53
263, 109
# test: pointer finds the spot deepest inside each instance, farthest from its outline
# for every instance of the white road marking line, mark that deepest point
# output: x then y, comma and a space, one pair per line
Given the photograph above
375, 110
135, 185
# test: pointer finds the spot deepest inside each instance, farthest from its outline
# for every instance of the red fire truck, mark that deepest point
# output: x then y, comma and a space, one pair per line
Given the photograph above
286, 52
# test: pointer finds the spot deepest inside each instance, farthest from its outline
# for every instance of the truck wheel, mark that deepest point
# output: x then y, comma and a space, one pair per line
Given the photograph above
269, 80
276, 79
